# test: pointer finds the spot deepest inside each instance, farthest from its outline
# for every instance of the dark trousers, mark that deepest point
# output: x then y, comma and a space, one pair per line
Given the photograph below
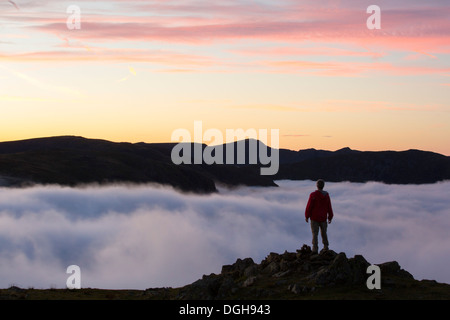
315, 226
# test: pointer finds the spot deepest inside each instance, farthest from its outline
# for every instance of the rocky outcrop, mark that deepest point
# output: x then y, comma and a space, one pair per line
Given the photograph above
286, 276
297, 272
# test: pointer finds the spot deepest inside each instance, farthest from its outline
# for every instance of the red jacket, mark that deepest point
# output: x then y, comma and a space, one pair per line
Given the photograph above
319, 206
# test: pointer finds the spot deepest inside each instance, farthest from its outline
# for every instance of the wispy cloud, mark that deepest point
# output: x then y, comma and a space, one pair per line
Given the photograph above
267, 107
42, 85
287, 51
132, 72
295, 135
365, 106
284, 27
92, 54
11, 98
14, 4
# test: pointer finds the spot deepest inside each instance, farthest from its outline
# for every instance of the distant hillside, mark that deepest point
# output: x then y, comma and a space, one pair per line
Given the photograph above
399, 167
71, 160
404, 167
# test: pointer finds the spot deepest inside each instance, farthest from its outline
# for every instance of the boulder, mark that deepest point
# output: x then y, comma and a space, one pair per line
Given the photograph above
358, 266
338, 272
393, 268
239, 267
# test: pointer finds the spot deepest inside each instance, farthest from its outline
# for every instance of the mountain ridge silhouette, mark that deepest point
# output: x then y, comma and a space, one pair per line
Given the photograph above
75, 160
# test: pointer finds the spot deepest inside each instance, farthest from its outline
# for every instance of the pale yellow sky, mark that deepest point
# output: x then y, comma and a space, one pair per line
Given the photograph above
168, 66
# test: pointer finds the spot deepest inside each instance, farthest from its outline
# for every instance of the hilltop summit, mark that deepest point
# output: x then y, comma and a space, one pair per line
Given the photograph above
304, 275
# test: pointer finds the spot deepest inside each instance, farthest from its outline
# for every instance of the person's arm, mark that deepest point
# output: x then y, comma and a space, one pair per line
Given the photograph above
330, 210
308, 208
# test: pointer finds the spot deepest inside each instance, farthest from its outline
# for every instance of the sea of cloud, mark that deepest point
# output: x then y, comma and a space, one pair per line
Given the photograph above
138, 237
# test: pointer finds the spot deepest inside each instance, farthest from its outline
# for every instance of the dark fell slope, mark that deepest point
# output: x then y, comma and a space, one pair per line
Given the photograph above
71, 160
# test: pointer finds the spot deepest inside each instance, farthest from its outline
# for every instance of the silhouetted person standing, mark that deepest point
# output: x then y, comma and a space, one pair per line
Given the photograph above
319, 210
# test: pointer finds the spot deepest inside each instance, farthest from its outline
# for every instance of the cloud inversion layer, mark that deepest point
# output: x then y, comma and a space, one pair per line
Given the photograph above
148, 236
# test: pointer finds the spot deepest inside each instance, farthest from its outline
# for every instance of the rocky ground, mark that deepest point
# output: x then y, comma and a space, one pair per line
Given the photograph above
290, 275
304, 275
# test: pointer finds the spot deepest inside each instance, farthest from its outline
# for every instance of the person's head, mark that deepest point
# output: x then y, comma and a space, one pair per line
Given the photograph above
320, 184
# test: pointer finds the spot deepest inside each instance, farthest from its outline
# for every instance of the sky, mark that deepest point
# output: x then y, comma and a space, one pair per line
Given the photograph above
138, 70
138, 237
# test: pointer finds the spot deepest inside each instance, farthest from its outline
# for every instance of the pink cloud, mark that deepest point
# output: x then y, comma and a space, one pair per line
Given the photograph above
309, 51
336, 68
213, 23
163, 57
287, 30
